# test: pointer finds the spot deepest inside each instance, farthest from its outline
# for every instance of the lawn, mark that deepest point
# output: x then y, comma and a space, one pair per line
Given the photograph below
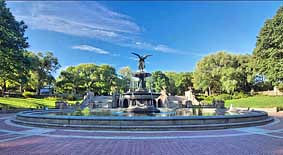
258, 101
29, 102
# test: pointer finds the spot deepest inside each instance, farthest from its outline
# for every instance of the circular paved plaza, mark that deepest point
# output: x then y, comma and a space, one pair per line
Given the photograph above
20, 140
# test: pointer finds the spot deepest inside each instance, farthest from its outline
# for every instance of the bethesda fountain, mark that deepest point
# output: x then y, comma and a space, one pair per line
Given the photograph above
141, 113
141, 100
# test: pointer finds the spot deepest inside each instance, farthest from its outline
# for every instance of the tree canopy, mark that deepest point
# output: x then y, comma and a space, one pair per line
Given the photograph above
102, 80
12, 46
269, 49
222, 72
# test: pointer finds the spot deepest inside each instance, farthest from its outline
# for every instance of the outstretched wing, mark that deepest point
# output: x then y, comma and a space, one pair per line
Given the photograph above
136, 55
146, 56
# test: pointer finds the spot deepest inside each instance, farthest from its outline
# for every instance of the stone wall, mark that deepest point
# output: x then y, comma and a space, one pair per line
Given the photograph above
274, 92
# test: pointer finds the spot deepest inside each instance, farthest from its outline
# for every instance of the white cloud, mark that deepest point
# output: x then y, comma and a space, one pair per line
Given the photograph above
155, 47
91, 49
88, 19
85, 19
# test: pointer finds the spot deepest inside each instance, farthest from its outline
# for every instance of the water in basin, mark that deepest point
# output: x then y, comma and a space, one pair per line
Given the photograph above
165, 112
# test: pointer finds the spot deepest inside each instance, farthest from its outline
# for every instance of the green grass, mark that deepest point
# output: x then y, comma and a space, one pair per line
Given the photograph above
29, 102
258, 101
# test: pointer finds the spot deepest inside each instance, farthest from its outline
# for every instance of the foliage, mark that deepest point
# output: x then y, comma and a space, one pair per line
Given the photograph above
238, 95
223, 97
28, 94
12, 44
269, 49
223, 72
280, 87
179, 82
44, 65
102, 80
126, 78
159, 81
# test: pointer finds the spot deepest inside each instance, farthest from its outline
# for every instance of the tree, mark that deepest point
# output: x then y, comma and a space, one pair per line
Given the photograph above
184, 82
159, 81
179, 82
69, 81
108, 80
12, 45
102, 80
269, 49
223, 72
43, 67
126, 78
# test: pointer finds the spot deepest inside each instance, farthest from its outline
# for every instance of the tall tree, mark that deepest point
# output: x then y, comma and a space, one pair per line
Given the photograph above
44, 65
269, 49
12, 45
222, 71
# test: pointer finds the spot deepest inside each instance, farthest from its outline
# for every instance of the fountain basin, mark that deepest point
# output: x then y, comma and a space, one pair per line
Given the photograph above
142, 123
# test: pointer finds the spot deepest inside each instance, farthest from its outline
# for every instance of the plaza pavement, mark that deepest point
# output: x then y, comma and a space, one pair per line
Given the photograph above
21, 140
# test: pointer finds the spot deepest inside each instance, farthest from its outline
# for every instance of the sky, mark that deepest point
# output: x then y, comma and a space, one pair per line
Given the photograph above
177, 34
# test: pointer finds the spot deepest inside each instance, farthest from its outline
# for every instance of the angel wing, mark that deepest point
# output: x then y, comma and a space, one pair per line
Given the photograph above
136, 55
146, 56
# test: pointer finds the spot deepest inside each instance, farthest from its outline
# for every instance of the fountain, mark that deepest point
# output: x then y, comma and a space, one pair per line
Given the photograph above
141, 100
140, 111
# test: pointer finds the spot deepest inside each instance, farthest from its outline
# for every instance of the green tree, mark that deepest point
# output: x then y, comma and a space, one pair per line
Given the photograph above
269, 49
108, 80
43, 67
159, 81
102, 80
69, 81
12, 45
222, 71
179, 82
126, 78
184, 82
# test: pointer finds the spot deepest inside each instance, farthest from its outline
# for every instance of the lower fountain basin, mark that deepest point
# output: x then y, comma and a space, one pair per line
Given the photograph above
141, 110
49, 118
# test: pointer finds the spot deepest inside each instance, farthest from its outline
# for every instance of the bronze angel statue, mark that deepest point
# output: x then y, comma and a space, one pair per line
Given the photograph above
141, 61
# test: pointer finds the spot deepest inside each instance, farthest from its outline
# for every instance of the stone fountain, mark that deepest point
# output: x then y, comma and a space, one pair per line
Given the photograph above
141, 100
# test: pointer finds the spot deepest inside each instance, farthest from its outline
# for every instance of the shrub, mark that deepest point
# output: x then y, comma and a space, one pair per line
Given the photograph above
280, 87
223, 97
28, 94
71, 97
205, 99
238, 95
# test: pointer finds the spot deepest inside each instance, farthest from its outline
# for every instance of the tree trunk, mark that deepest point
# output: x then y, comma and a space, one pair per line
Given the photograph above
38, 88
21, 88
4, 87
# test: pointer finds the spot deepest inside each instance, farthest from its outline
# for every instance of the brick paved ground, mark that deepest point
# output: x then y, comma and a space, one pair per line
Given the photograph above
19, 140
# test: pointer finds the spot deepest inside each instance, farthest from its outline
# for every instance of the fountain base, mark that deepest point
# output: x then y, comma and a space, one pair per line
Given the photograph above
143, 110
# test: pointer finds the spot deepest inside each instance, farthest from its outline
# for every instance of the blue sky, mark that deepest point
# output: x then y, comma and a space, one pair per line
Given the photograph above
177, 34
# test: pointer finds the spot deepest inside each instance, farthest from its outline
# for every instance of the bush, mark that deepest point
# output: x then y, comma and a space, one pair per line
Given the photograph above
223, 97
239, 95
71, 97
280, 87
28, 94
205, 99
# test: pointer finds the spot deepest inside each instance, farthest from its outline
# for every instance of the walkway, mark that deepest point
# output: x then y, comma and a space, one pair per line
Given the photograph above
21, 140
